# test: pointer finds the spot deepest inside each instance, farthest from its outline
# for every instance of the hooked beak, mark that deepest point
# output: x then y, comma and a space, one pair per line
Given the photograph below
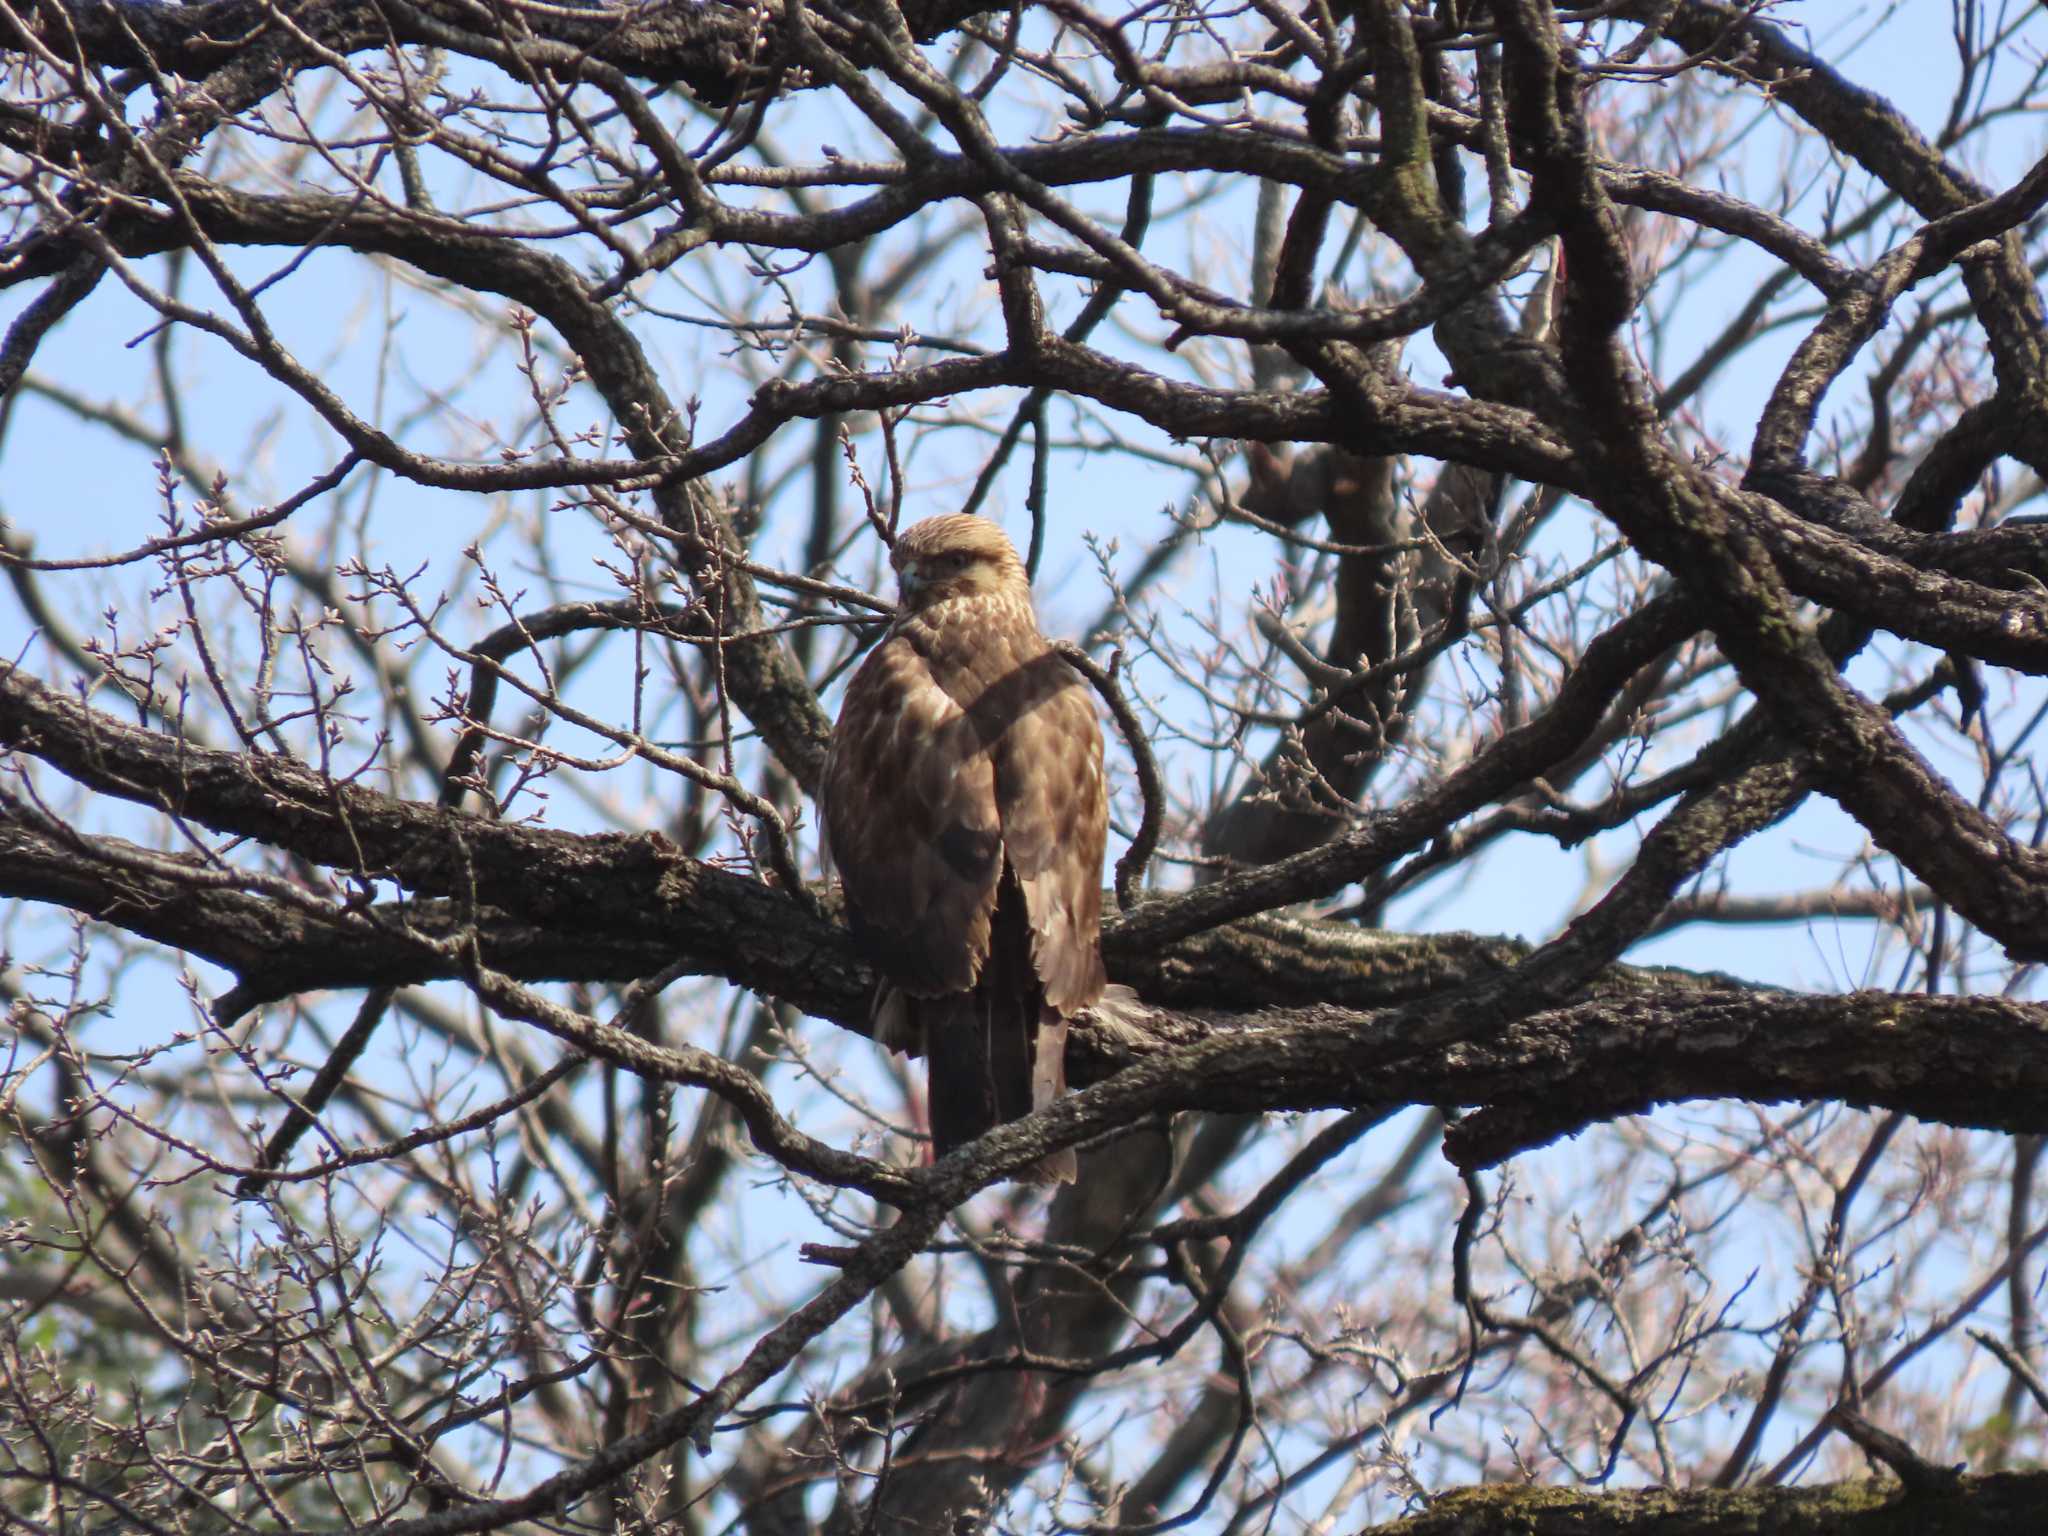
910, 580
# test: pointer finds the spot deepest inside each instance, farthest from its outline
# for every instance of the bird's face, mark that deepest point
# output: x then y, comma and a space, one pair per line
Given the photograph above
934, 576
954, 557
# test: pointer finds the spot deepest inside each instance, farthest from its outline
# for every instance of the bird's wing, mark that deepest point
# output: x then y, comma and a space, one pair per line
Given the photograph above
1054, 808
910, 809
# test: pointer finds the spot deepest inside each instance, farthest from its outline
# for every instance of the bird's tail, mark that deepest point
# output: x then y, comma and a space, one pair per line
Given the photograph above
994, 1055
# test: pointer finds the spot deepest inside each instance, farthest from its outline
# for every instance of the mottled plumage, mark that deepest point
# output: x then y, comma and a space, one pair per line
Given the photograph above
966, 812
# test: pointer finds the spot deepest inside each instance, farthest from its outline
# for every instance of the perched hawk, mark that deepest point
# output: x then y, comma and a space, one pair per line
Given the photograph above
965, 809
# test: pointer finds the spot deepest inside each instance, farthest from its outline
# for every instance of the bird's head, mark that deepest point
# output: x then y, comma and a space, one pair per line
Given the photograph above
956, 555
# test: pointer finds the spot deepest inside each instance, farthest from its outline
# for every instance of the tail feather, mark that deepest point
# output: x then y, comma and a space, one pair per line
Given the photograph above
960, 1065
986, 1067
1048, 1082
998, 1052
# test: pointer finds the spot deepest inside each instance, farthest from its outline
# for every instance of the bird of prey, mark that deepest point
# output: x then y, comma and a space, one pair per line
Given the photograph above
966, 812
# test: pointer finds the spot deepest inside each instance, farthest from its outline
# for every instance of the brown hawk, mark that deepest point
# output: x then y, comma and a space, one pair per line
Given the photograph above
966, 812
